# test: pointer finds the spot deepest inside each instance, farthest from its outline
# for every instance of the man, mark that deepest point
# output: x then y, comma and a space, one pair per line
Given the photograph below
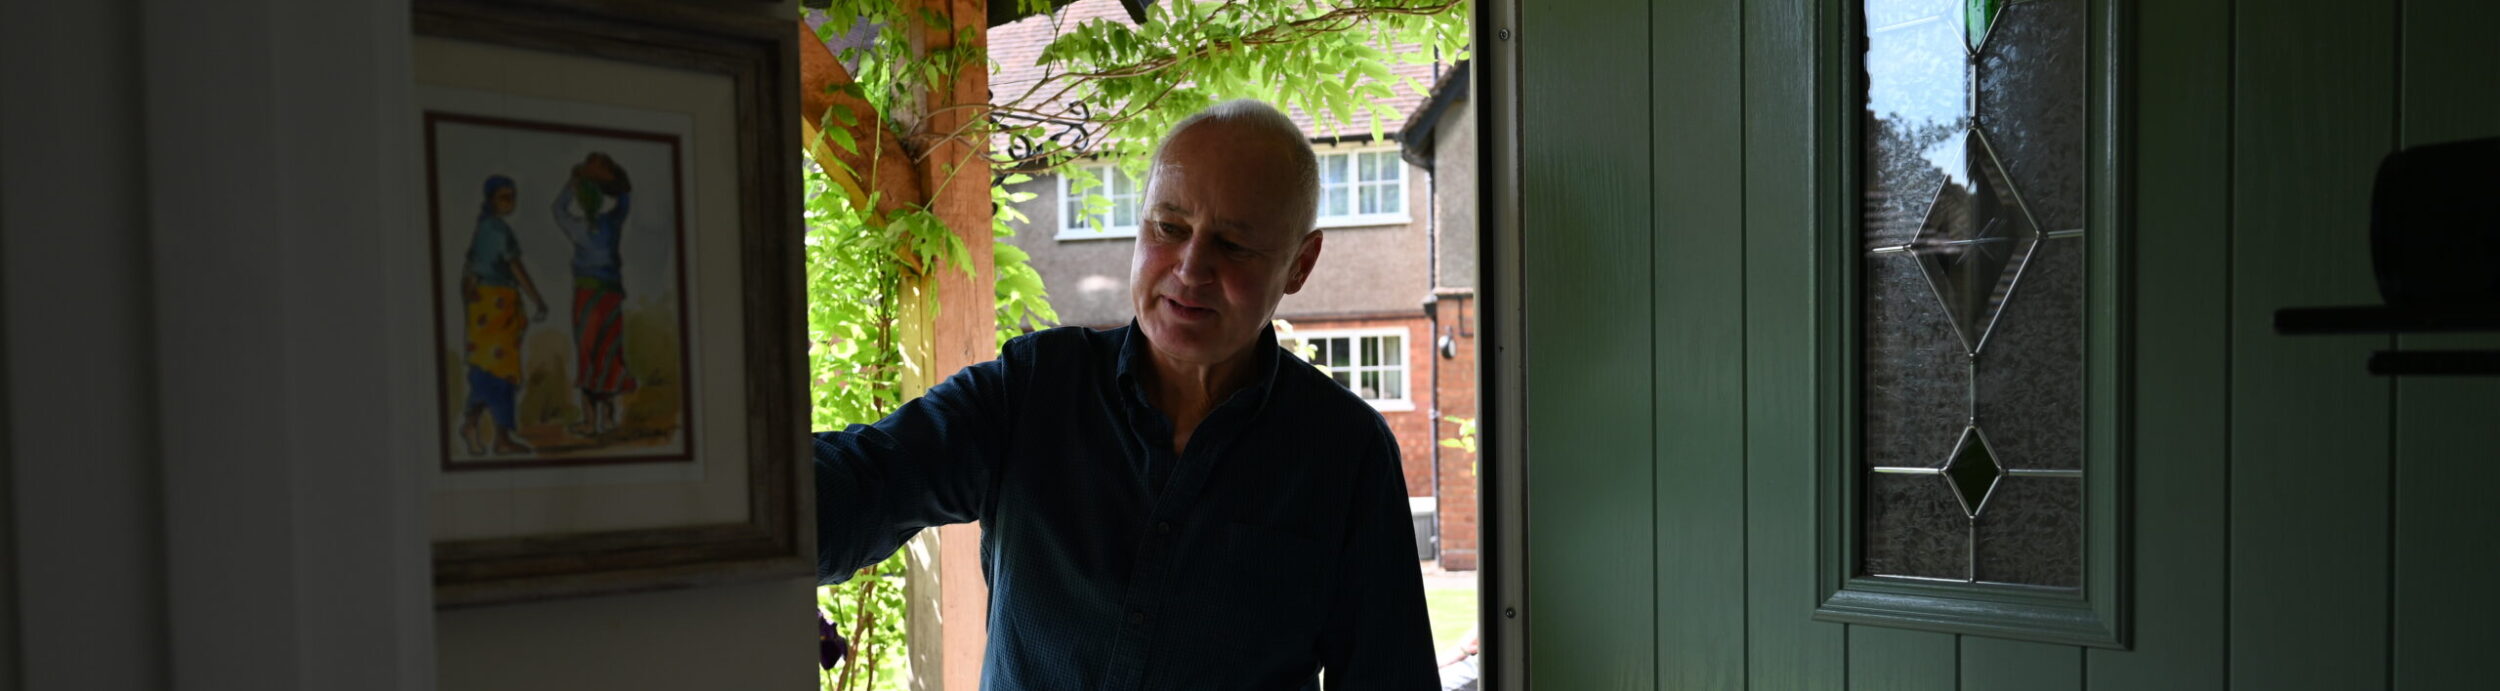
1177, 504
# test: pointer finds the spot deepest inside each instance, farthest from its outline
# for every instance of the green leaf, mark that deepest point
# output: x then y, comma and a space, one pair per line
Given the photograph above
842, 138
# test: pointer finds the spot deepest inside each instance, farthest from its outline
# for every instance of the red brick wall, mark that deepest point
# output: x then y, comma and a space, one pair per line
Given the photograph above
1414, 428
1455, 393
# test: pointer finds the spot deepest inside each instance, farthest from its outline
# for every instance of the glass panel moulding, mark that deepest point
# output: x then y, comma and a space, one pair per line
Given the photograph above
1918, 96
2030, 386
1914, 527
1915, 375
1974, 240
2031, 103
2032, 533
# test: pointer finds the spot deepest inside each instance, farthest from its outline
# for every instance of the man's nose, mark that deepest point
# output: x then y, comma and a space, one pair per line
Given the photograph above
1196, 266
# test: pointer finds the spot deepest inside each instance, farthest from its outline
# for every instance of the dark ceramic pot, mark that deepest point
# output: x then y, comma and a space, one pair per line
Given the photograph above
2435, 225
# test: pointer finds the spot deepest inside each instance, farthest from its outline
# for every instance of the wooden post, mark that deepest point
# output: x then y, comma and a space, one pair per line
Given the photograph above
944, 320
950, 603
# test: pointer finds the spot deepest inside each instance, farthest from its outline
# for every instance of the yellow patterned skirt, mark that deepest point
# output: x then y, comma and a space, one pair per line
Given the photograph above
494, 331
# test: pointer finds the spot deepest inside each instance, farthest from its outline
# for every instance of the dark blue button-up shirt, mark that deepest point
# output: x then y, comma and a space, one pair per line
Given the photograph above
1277, 544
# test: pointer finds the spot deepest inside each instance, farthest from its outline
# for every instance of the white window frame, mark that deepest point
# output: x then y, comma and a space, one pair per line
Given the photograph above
1074, 227
1353, 186
1405, 367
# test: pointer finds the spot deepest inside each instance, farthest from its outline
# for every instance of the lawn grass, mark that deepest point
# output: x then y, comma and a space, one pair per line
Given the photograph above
1453, 612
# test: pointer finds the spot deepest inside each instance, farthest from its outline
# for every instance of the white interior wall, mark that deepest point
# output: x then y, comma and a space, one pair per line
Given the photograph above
89, 574
750, 636
206, 485
205, 490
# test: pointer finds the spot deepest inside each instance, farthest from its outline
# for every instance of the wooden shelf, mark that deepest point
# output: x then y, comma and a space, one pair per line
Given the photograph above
2435, 362
2294, 321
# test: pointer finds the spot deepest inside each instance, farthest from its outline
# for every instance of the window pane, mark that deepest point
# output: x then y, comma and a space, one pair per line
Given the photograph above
1336, 202
1371, 351
1371, 200
1914, 527
2030, 102
2030, 381
1340, 355
1390, 201
1392, 350
1123, 213
1917, 97
2032, 533
1332, 168
1393, 385
1371, 386
1973, 316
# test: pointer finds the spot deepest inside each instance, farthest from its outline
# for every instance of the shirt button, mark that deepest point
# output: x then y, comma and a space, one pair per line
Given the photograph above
1137, 618
1163, 528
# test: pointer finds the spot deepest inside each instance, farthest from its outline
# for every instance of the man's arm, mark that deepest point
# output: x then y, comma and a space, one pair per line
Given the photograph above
576, 228
1379, 635
928, 464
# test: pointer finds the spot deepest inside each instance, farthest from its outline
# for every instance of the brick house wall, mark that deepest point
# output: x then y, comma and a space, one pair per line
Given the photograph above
1411, 423
1454, 393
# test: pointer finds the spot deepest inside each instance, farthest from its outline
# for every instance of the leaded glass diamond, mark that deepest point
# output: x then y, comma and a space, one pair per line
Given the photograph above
1976, 236
1977, 17
1973, 472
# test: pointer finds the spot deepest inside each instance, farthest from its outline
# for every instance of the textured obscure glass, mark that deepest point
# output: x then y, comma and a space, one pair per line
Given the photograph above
1972, 339
2031, 376
1974, 240
1914, 527
2032, 533
2031, 105
1915, 369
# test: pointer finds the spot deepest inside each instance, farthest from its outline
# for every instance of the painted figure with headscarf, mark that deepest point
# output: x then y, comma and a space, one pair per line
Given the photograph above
592, 210
492, 282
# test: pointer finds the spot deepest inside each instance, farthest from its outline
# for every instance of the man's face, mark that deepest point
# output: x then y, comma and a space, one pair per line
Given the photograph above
1222, 240
504, 201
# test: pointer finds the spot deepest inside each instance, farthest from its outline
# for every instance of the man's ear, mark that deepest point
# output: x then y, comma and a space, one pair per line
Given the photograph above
1302, 263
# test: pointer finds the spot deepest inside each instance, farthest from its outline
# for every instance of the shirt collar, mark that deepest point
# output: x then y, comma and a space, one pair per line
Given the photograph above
1135, 349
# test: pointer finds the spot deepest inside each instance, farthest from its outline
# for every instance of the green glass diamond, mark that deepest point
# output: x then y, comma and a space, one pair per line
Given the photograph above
1977, 17
1973, 472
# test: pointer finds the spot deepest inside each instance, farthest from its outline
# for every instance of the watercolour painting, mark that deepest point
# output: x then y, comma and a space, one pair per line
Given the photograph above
560, 281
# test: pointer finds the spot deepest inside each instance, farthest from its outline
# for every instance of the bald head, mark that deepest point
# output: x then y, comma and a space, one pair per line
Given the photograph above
1257, 129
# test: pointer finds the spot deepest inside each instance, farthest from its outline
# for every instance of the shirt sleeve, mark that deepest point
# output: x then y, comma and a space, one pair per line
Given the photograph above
575, 228
511, 242
1378, 634
615, 217
928, 464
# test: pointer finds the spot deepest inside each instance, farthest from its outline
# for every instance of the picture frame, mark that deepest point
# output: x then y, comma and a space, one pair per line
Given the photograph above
630, 419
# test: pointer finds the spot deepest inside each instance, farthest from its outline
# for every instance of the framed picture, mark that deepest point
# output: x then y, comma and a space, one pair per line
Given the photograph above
612, 242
